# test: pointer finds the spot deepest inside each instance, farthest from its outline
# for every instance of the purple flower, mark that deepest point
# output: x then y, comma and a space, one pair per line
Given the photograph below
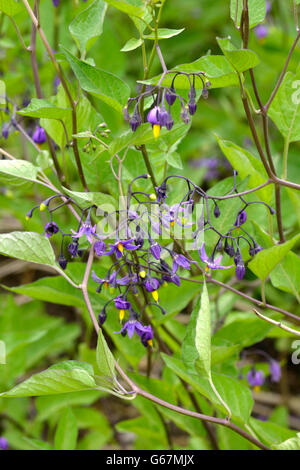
119, 246
121, 303
39, 135
174, 278
275, 371
154, 116
180, 260
73, 249
51, 228
134, 326
86, 229
110, 280
55, 3
155, 250
126, 280
151, 284
3, 443
241, 218
99, 248
255, 378
210, 261
261, 31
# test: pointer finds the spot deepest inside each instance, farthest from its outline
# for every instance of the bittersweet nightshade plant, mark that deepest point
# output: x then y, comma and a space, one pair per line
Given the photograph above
159, 232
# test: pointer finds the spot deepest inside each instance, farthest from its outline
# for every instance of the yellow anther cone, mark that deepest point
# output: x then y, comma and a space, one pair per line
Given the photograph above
121, 314
155, 295
156, 130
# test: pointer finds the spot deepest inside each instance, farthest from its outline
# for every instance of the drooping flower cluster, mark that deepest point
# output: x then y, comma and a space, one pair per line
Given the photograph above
142, 242
163, 98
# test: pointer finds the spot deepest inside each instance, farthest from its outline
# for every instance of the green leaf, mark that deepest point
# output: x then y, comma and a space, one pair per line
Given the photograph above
88, 25
105, 359
240, 59
66, 433
88, 199
164, 33
131, 7
291, 444
247, 165
233, 392
257, 11
104, 85
10, 7
27, 246
174, 160
39, 108
143, 135
286, 275
53, 381
266, 260
284, 109
242, 330
18, 169
217, 69
270, 433
52, 289
132, 44
37, 444
197, 342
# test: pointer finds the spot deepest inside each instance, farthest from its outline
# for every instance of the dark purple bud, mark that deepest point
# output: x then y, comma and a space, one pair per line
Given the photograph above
217, 211
192, 107
73, 249
240, 269
171, 96
241, 218
253, 250
135, 121
170, 122
229, 248
163, 116
5, 130
102, 317
55, 3
62, 262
